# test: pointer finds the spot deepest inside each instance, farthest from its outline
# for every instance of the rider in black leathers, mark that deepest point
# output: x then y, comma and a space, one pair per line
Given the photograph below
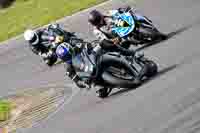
76, 45
40, 41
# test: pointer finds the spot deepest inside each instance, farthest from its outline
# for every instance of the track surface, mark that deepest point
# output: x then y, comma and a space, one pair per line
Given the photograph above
167, 104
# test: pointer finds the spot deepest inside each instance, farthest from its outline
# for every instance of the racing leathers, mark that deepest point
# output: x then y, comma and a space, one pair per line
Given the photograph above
45, 44
77, 45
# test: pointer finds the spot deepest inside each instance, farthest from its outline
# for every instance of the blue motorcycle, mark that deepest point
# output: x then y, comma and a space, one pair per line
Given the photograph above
136, 28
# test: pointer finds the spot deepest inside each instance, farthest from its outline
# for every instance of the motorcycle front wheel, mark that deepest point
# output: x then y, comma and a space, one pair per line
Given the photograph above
152, 68
103, 92
51, 60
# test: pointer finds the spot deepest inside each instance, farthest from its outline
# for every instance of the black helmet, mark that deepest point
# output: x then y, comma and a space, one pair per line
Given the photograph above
95, 17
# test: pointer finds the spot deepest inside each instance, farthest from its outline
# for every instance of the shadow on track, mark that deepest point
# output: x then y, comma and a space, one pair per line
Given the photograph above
169, 35
160, 73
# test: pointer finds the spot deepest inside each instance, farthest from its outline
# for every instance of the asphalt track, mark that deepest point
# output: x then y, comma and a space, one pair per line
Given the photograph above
169, 103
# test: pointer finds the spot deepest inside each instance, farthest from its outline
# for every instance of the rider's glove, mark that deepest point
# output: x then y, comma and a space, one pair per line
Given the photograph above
46, 55
115, 40
50, 53
81, 84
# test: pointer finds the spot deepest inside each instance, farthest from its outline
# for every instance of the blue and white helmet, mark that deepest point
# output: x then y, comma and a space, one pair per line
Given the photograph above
64, 52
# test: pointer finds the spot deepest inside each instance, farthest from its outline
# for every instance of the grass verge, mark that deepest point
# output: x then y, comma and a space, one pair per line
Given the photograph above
34, 13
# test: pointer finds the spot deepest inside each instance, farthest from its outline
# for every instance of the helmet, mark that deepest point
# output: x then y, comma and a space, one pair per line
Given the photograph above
31, 36
64, 52
95, 17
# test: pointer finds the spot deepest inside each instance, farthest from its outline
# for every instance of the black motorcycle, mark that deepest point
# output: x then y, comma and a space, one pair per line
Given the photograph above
116, 71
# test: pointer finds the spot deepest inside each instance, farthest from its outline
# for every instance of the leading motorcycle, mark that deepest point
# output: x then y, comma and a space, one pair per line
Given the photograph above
135, 27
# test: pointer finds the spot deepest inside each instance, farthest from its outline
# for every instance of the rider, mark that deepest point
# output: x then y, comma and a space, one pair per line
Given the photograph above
103, 23
65, 53
40, 41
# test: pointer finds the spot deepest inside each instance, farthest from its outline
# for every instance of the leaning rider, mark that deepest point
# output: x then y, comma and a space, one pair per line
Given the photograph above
40, 41
103, 24
65, 53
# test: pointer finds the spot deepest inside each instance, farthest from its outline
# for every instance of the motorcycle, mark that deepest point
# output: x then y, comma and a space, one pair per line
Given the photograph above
115, 71
136, 27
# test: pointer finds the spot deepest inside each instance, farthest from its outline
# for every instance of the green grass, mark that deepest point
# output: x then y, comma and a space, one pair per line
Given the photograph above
34, 13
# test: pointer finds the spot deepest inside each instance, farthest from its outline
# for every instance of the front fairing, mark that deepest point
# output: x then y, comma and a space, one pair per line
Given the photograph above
83, 65
124, 31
